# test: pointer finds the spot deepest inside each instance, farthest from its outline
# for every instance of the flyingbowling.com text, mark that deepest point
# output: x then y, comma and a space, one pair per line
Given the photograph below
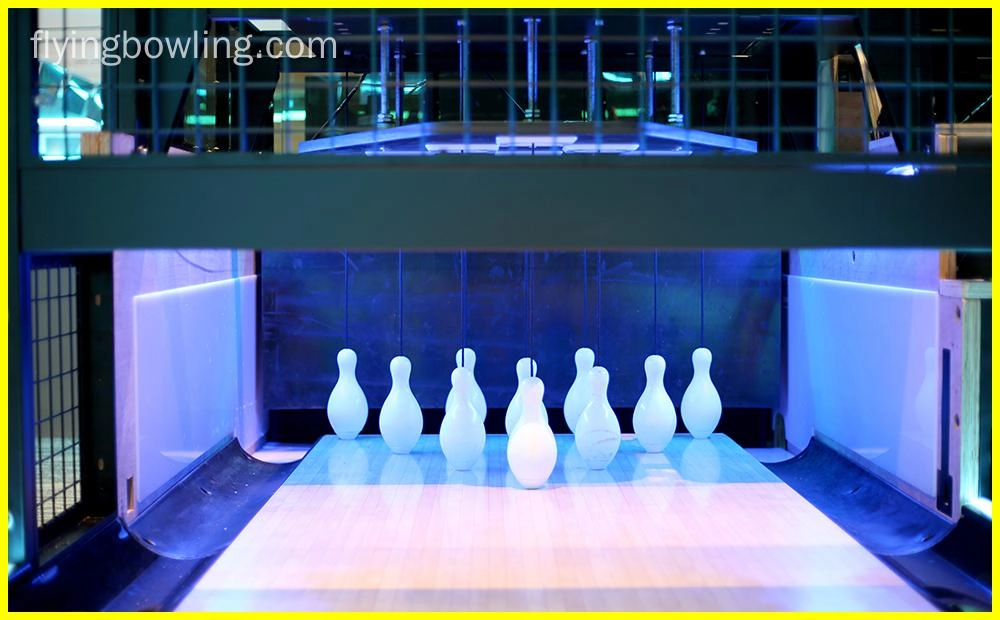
113, 50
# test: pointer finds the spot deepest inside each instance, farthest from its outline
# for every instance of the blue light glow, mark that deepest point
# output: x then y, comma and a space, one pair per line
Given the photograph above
905, 170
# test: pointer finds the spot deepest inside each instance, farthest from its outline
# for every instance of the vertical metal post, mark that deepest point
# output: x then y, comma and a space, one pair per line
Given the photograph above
463, 70
426, 102
553, 75
650, 87
398, 56
531, 112
589, 43
776, 85
384, 117
594, 112
676, 116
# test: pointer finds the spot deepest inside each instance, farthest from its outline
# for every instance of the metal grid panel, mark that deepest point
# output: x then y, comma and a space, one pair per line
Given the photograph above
663, 82
56, 391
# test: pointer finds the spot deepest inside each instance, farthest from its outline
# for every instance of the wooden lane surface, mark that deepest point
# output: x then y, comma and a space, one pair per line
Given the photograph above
703, 526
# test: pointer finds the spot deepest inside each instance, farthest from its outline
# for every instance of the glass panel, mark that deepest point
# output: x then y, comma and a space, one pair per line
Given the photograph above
67, 46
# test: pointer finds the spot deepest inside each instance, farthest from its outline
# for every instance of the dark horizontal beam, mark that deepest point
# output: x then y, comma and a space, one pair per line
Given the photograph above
440, 202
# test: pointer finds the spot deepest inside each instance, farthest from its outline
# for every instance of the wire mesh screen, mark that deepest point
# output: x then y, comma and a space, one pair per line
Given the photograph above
56, 391
621, 82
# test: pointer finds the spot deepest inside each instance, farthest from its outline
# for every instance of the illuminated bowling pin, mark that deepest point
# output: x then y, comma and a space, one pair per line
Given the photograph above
701, 407
515, 407
598, 434
478, 400
578, 394
463, 436
347, 408
400, 420
655, 419
531, 451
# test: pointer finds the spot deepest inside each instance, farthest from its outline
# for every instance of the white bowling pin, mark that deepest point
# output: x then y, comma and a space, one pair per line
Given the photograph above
347, 408
476, 394
598, 434
463, 436
655, 419
400, 420
515, 406
578, 394
531, 451
701, 407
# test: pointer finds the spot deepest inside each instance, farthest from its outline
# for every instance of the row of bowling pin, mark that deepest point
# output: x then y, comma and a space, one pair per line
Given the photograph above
654, 417
531, 453
400, 419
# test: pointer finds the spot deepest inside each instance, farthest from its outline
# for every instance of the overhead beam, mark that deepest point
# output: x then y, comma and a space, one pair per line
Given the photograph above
763, 201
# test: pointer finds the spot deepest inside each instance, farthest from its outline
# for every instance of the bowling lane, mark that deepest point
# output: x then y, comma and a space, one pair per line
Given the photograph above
702, 526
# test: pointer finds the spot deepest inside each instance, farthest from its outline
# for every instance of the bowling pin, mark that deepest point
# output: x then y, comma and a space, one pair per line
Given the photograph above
531, 451
578, 394
515, 407
598, 434
701, 407
463, 436
478, 400
400, 419
347, 408
655, 419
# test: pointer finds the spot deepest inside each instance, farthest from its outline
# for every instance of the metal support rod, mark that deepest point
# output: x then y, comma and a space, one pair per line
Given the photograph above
676, 116
463, 71
532, 112
383, 111
650, 86
593, 75
399, 80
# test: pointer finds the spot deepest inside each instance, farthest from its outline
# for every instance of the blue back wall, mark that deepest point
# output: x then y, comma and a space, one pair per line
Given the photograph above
624, 305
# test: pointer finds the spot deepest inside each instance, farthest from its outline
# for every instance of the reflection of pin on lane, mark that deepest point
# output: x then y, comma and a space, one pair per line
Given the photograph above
578, 394
348, 463
401, 483
347, 408
598, 434
468, 356
655, 419
700, 461
401, 469
531, 451
400, 420
701, 407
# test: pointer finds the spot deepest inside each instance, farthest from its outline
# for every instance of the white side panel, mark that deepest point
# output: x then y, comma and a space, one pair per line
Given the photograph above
137, 272
863, 370
194, 375
907, 268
